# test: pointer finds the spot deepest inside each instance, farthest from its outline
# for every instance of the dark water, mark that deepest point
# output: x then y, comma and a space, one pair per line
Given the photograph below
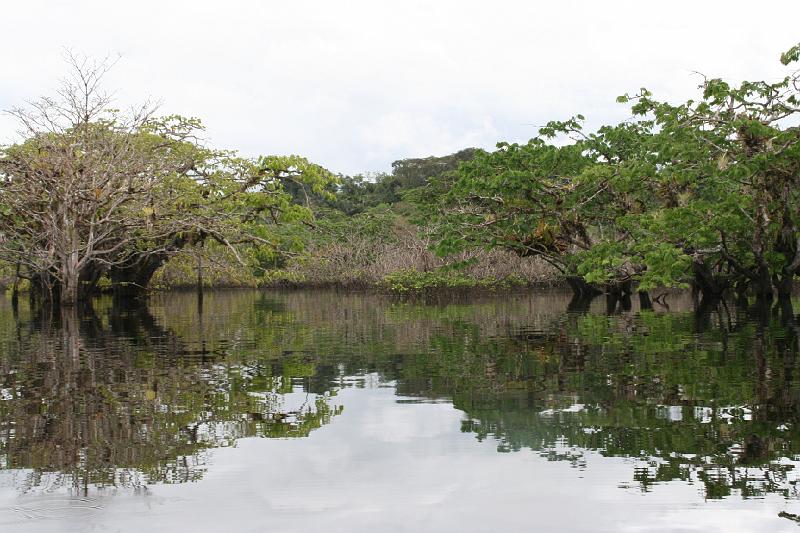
318, 411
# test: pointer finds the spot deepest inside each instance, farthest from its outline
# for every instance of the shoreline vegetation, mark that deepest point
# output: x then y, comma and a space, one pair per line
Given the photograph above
365, 237
405, 265
392, 272
703, 194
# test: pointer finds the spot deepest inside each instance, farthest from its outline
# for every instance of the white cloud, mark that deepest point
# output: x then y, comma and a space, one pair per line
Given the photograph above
355, 85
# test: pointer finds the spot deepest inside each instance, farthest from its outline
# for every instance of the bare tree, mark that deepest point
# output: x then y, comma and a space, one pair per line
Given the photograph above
93, 190
82, 185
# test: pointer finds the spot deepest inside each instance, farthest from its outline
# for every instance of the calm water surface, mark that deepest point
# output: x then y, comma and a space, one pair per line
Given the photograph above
323, 411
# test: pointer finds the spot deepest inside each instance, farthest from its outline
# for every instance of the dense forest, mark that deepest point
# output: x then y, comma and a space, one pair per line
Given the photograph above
702, 193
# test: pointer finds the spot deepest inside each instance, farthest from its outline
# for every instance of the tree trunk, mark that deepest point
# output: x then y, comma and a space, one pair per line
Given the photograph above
130, 280
762, 284
710, 286
580, 304
645, 302
581, 288
15, 289
69, 289
89, 277
784, 285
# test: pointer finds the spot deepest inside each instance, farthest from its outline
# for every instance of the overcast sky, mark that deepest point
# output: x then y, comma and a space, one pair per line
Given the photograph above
356, 85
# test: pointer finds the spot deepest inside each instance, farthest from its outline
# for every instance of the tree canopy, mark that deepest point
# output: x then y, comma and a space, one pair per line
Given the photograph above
93, 191
704, 192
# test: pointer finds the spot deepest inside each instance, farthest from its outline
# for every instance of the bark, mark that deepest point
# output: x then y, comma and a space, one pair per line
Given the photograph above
784, 285
70, 280
15, 289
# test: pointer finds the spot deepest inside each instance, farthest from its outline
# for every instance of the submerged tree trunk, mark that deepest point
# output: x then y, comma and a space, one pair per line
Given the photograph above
618, 297
68, 293
784, 286
130, 278
762, 285
582, 294
709, 285
580, 304
15, 289
644, 300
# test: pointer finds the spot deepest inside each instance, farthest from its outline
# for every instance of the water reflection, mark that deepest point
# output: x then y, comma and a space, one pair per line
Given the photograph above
116, 398
131, 397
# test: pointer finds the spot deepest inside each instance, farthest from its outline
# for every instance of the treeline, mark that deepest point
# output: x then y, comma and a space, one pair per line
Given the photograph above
357, 194
702, 193
366, 233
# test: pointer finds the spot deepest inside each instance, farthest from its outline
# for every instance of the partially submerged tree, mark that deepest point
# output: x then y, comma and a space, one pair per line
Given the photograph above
706, 192
728, 172
92, 191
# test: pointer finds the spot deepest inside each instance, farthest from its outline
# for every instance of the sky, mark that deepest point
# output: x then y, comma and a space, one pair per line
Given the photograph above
355, 85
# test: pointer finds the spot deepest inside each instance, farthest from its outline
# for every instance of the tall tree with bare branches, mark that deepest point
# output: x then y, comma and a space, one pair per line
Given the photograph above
95, 191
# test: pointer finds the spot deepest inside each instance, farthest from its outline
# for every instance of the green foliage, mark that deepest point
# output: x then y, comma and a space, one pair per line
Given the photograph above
791, 55
413, 173
413, 281
705, 191
360, 193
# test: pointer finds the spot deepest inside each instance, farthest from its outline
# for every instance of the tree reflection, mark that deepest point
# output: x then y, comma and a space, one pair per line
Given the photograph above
120, 400
712, 400
119, 396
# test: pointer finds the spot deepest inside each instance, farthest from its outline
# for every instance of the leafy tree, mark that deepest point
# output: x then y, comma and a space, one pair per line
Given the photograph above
728, 167
415, 172
704, 192
92, 191
359, 193
527, 198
